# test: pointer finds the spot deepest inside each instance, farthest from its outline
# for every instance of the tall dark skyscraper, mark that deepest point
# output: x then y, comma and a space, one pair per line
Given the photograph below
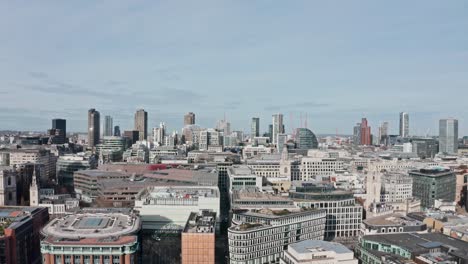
189, 119
60, 124
255, 127
94, 121
117, 131
141, 124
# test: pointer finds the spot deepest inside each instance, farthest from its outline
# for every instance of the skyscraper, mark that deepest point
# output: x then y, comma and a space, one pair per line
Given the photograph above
448, 136
404, 124
141, 124
94, 121
189, 119
60, 124
224, 126
278, 127
383, 133
117, 131
108, 126
305, 139
159, 133
357, 134
365, 133
255, 127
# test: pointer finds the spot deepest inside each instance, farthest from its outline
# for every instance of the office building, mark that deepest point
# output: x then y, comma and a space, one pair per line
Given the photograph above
210, 137
20, 234
224, 126
111, 149
242, 177
317, 252
404, 124
198, 238
189, 119
141, 124
95, 236
344, 215
61, 125
132, 135
305, 139
277, 127
392, 223
260, 236
168, 208
255, 127
281, 143
366, 137
86, 182
318, 163
448, 136
425, 148
68, 164
433, 184
108, 126
36, 156
159, 133
94, 127
409, 247
117, 131
383, 133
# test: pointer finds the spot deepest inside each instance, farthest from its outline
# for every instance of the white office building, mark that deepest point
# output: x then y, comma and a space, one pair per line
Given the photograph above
318, 252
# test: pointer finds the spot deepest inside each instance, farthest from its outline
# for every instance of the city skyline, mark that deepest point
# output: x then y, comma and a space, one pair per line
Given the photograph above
332, 73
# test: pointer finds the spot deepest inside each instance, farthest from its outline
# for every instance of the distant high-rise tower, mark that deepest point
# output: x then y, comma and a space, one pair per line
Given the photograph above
108, 126
278, 127
189, 119
255, 127
94, 121
366, 138
357, 134
383, 133
60, 124
117, 131
404, 124
141, 124
224, 126
448, 136
159, 133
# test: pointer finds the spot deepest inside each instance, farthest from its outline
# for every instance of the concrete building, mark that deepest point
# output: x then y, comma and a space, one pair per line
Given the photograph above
392, 223
20, 234
224, 126
255, 127
8, 190
189, 119
159, 133
198, 238
241, 177
404, 125
357, 134
108, 126
93, 236
318, 163
432, 184
94, 127
317, 252
383, 133
133, 135
260, 236
425, 148
448, 136
86, 182
168, 208
278, 127
210, 137
141, 124
36, 156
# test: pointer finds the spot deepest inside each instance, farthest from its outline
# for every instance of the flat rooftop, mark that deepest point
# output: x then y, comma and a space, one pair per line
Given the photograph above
93, 225
391, 220
179, 192
432, 172
240, 170
310, 246
257, 196
103, 174
201, 222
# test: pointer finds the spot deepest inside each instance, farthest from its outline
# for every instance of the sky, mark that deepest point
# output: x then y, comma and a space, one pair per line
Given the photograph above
337, 61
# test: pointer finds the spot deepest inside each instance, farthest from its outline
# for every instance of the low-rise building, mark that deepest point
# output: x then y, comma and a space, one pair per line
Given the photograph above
68, 164
169, 207
318, 252
93, 236
392, 223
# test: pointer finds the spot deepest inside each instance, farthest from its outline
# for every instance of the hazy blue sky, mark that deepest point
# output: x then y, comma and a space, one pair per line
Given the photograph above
336, 60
